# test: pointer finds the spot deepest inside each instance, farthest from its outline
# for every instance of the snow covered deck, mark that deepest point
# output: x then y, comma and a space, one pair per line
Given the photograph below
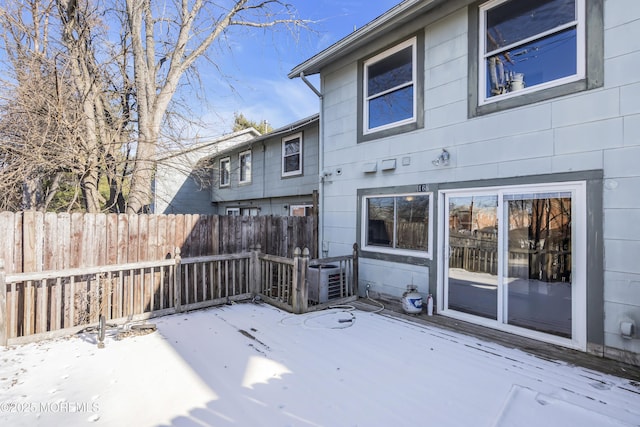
255, 365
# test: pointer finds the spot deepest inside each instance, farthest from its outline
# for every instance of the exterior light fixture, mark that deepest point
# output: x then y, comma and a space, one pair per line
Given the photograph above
442, 159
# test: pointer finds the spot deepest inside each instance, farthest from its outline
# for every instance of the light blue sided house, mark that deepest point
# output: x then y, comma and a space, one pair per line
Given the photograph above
488, 152
272, 174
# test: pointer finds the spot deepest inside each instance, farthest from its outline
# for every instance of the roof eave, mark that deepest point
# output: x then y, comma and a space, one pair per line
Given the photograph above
292, 127
362, 36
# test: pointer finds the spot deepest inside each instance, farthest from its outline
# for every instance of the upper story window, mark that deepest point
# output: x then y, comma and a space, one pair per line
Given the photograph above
397, 223
225, 172
292, 155
389, 96
527, 46
245, 166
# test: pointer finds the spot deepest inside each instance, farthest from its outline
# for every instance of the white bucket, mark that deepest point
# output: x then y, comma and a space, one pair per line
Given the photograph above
517, 82
411, 301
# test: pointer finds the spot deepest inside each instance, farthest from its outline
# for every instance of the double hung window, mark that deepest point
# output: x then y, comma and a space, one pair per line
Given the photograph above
390, 88
245, 167
292, 155
225, 172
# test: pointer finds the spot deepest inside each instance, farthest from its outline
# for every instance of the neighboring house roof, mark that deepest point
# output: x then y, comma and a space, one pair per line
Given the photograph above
292, 127
394, 17
224, 142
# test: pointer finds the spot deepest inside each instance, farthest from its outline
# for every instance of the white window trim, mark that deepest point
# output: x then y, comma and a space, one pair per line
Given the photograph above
394, 251
249, 172
578, 338
284, 143
233, 211
365, 98
228, 161
580, 25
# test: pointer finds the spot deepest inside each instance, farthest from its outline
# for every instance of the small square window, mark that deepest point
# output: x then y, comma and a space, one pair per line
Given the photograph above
390, 88
292, 155
526, 46
225, 172
245, 167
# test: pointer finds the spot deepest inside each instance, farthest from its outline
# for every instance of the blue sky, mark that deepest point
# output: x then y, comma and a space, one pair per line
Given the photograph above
255, 66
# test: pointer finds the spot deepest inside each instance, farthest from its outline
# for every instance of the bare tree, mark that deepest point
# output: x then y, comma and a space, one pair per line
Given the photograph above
165, 45
61, 120
82, 102
38, 112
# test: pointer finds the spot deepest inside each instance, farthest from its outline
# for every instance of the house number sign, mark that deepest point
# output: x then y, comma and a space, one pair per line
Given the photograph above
423, 188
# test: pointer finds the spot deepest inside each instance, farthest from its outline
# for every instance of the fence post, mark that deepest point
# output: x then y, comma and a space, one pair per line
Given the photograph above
355, 268
295, 283
254, 270
304, 288
177, 283
3, 306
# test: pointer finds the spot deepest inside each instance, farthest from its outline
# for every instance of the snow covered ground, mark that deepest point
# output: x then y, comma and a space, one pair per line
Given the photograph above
254, 365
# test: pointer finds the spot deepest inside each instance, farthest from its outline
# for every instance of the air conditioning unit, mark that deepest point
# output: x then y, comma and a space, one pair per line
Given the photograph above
325, 283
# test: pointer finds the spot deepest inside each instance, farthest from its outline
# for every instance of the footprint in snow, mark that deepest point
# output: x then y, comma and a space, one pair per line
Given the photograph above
601, 385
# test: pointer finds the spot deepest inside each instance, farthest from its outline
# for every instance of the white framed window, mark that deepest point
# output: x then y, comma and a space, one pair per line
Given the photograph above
292, 155
389, 94
245, 166
225, 172
249, 211
397, 224
242, 211
527, 46
300, 210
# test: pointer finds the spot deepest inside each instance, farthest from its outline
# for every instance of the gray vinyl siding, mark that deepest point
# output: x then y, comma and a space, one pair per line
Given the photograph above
589, 130
178, 188
268, 189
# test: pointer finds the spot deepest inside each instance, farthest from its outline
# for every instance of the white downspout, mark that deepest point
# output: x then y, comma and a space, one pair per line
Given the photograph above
321, 248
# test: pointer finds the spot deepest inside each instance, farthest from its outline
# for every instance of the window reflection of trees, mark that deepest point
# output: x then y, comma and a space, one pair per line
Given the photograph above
400, 222
540, 231
390, 88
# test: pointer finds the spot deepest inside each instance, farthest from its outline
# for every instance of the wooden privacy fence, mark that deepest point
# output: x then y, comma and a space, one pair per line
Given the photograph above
35, 241
44, 304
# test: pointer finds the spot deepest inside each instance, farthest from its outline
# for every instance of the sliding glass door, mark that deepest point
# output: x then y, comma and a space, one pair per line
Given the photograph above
509, 257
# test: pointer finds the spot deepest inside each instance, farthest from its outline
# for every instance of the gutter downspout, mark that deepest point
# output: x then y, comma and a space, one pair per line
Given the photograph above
321, 246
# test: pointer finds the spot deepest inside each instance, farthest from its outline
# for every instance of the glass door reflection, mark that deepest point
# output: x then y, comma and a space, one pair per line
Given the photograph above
538, 276
472, 273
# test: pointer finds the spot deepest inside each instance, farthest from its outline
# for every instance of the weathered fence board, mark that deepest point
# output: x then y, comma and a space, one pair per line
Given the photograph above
42, 304
33, 241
